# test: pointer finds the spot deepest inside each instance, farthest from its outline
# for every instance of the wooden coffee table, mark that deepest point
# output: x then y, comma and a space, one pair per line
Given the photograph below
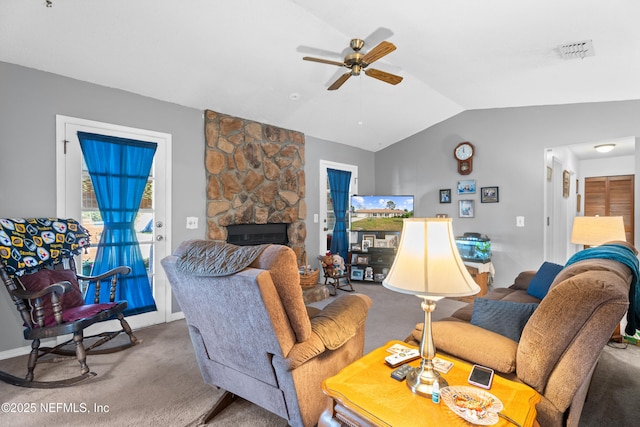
364, 394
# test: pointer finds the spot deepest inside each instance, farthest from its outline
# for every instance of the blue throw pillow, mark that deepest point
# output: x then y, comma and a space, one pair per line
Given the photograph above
539, 285
506, 318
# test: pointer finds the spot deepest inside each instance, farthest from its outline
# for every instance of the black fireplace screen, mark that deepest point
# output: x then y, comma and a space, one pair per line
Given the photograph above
257, 234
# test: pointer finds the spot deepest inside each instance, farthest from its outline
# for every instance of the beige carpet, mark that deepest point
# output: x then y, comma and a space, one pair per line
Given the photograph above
158, 383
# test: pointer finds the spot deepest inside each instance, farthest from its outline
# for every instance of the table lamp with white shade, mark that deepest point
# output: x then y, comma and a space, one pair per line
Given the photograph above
428, 265
596, 230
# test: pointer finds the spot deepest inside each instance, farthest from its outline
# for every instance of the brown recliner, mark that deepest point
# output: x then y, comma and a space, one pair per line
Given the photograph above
560, 343
253, 335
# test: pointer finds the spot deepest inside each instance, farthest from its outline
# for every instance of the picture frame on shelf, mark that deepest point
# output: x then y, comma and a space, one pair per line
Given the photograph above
357, 273
371, 238
356, 247
489, 195
362, 259
368, 274
354, 259
445, 196
392, 240
466, 208
467, 186
382, 243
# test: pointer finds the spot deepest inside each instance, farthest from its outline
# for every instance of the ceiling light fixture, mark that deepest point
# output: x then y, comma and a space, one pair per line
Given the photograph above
577, 50
604, 148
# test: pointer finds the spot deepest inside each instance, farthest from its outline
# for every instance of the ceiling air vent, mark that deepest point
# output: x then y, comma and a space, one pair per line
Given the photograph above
577, 50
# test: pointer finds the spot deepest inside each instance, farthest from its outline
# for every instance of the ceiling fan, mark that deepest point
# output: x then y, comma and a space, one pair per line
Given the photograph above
357, 62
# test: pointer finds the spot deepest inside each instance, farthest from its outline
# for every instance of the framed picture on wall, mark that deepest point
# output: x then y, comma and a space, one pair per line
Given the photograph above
489, 195
465, 208
565, 183
467, 186
445, 196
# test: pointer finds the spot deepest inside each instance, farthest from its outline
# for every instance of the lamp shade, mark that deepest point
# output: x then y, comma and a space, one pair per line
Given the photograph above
428, 263
596, 230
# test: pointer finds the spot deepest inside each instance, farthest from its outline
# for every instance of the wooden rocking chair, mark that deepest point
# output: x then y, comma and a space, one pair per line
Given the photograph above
38, 269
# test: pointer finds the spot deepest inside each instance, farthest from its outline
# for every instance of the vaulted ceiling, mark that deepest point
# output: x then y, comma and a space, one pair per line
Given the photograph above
244, 57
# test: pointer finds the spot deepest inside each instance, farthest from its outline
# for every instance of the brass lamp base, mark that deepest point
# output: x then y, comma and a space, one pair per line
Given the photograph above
421, 381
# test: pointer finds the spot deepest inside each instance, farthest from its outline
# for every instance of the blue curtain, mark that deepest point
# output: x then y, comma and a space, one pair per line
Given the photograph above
339, 188
119, 169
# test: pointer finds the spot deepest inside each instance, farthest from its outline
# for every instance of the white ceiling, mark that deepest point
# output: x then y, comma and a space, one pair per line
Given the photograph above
244, 57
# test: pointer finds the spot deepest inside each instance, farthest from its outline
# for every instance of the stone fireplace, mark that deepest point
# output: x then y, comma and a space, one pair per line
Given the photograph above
255, 175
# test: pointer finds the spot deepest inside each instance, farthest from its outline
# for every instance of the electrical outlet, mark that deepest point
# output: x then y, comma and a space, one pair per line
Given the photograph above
192, 222
519, 221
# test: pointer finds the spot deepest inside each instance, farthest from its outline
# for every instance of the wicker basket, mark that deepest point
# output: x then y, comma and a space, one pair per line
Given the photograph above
308, 277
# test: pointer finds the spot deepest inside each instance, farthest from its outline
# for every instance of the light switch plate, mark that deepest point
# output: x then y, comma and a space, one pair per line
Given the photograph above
192, 222
519, 221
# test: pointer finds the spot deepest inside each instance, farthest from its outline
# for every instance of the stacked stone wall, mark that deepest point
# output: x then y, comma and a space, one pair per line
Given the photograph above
255, 175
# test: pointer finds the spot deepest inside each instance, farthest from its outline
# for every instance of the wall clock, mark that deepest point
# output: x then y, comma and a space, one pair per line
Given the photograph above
463, 153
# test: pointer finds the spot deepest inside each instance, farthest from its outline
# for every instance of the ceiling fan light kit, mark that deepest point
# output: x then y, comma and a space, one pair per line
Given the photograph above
357, 62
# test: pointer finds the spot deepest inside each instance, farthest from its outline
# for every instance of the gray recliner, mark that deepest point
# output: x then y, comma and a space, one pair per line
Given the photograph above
253, 335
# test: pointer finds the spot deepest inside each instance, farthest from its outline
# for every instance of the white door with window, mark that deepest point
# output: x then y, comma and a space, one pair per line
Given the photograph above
76, 199
327, 217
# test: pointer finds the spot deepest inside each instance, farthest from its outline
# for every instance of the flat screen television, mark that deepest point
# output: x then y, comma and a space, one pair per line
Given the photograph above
379, 213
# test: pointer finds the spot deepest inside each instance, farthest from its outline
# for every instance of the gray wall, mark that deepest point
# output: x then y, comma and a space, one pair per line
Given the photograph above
510, 145
319, 149
29, 102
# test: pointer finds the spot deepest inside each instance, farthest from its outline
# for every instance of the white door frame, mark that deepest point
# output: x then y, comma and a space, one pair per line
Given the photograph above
353, 189
69, 193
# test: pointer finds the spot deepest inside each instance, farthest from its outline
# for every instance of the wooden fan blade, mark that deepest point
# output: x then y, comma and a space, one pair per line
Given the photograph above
384, 48
343, 78
383, 75
324, 61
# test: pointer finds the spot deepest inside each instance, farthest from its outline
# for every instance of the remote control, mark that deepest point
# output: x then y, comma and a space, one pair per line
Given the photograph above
401, 373
401, 358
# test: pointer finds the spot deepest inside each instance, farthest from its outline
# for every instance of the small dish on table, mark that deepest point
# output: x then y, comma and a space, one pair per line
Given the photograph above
472, 404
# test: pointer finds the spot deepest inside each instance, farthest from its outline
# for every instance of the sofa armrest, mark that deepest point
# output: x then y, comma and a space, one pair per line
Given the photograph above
522, 280
472, 344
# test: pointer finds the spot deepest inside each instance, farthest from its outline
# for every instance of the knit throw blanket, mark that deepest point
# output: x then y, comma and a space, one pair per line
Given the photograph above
207, 258
627, 257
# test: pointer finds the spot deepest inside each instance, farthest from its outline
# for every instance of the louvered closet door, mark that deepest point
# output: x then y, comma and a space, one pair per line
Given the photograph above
611, 196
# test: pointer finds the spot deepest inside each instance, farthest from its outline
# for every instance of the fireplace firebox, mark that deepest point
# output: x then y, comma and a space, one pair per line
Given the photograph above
257, 234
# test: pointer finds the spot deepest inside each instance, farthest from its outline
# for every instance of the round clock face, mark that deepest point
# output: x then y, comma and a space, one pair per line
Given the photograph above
463, 151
